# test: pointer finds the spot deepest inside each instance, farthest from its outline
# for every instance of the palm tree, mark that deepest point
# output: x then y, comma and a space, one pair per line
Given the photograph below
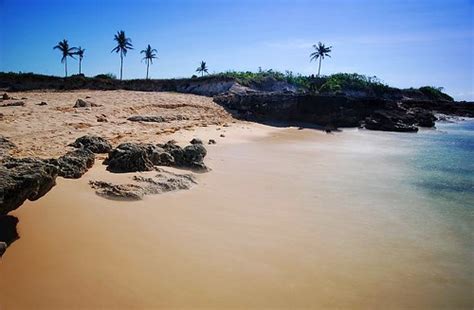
123, 45
149, 56
202, 68
66, 51
320, 52
80, 52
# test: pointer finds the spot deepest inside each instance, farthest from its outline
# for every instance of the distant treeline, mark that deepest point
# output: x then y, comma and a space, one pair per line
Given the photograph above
340, 83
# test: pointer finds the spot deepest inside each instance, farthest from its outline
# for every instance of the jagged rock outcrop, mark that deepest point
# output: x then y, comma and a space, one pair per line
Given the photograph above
131, 157
80, 103
95, 144
5, 146
160, 183
331, 111
13, 104
156, 119
73, 164
26, 178
8, 232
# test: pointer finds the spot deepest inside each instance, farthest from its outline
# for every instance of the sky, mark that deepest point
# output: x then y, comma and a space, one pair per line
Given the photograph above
406, 43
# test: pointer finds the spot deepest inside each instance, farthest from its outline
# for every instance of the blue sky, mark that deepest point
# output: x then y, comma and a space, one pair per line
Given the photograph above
405, 43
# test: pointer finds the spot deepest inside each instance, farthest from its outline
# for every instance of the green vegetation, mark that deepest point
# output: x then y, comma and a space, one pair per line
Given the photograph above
435, 93
66, 51
353, 82
106, 76
202, 68
123, 45
150, 54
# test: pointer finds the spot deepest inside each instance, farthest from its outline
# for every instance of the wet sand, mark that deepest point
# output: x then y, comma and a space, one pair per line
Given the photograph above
287, 218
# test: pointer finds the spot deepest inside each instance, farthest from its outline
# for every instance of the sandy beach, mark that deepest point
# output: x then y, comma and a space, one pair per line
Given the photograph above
287, 218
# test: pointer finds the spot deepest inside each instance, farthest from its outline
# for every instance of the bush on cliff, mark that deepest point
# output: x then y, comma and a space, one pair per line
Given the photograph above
435, 93
354, 82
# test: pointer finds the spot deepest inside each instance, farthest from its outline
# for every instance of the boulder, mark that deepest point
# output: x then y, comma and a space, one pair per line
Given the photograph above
196, 141
8, 229
390, 121
129, 157
191, 156
80, 103
13, 104
3, 248
42, 103
5, 96
74, 164
26, 178
95, 144
211, 141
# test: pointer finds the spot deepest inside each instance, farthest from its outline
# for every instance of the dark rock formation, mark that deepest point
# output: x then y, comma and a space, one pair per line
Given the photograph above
73, 164
339, 111
388, 121
13, 104
211, 141
118, 191
42, 103
156, 119
5, 96
94, 144
8, 230
160, 183
5, 146
196, 141
131, 157
3, 248
80, 103
26, 178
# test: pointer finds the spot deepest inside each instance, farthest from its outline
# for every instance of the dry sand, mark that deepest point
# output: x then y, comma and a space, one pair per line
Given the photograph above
287, 218
46, 130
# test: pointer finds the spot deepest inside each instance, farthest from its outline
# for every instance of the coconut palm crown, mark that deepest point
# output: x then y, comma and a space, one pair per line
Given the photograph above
80, 52
150, 54
202, 68
320, 52
123, 45
66, 51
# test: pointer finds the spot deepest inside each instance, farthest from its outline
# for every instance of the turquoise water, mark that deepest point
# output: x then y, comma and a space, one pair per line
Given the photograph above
444, 163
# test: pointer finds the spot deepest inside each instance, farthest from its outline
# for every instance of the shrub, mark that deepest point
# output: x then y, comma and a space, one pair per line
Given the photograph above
107, 76
435, 93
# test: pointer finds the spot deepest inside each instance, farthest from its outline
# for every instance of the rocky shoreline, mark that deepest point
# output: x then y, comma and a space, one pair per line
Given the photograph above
31, 178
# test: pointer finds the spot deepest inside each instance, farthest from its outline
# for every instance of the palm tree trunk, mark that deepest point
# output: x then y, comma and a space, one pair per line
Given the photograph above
147, 66
121, 64
80, 62
319, 68
65, 66
202, 73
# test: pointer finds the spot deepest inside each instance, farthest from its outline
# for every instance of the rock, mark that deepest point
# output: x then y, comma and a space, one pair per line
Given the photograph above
26, 178
222, 135
165, 181
118, 191
132, 157
102, 118
211, 141
129, 157
74, 164
80, 103
162, 182
95, 144
8, 229
196, 141
5, 96
389, 121
88, 97
42, 103
156, 119
5, 146
189, 157
3, 248
13, 104
140, 118
423, 118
